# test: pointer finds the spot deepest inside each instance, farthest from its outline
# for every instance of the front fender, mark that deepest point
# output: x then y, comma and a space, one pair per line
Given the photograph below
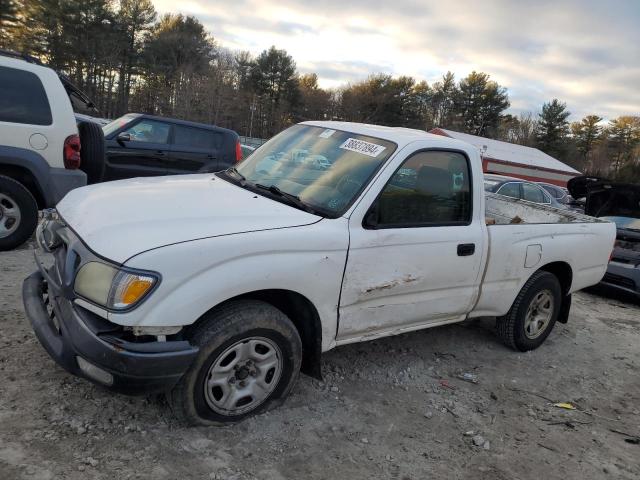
198, 275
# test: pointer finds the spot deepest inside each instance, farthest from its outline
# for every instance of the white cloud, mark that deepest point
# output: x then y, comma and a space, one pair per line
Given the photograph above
586, 53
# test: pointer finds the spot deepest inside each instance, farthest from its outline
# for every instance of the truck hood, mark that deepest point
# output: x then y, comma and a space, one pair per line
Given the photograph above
118, 220
605, 198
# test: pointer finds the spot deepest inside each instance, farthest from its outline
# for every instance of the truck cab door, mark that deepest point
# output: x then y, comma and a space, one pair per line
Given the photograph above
193, 150
415, 252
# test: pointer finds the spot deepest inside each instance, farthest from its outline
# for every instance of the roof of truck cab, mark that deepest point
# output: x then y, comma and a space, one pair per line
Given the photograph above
399, 135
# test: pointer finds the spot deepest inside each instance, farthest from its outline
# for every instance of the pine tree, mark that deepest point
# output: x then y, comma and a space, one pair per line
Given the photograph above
479, 103
553, 128
586, 134
8, 22
624, 137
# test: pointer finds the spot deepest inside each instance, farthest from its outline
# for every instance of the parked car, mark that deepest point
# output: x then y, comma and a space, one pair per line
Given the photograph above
80, 118
246, 150
559, 193
144, 145
620, 204
518, 188
562, 195
218, 288
40, 145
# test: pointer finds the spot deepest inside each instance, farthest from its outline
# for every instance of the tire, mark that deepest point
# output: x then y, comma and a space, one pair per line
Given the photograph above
222, 333
92, 151
18, 214
526, 330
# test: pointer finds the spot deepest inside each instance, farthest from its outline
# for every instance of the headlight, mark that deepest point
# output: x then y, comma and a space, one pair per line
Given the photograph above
111, 287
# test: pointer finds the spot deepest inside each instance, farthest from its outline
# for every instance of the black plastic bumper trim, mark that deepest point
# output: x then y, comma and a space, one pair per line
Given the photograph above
134, 371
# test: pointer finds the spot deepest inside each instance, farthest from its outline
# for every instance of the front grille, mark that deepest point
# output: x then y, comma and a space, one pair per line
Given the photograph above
619, 280
48, 303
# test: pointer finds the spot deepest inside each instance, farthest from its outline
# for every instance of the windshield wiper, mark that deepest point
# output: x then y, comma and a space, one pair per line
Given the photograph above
291, 199
235, 171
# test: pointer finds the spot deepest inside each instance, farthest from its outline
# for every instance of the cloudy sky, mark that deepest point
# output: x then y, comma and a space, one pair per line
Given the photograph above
586, 53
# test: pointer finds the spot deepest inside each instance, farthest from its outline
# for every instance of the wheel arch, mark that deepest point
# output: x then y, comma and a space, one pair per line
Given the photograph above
26, 177
302, 313
564, 273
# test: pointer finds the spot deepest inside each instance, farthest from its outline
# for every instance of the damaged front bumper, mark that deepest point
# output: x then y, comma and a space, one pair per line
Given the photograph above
91, 347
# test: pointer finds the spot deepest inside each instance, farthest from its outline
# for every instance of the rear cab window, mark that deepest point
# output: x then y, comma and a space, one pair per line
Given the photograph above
23, 98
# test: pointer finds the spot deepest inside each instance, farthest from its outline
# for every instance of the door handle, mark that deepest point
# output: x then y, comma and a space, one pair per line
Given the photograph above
160, 153
466, 249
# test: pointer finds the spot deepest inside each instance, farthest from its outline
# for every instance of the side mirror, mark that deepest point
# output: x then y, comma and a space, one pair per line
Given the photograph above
123, 137
371, 218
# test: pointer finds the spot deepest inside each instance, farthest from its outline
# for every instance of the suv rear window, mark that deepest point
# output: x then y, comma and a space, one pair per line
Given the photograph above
22, 98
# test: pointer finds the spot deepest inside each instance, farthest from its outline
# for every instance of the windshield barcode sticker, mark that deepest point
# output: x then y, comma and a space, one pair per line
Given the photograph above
327, 133
360, 146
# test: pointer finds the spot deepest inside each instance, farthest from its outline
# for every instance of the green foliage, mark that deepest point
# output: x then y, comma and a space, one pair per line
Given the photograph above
8, 22
383, 100
586, 134
479, 104
553, 128
126, 59
624, 138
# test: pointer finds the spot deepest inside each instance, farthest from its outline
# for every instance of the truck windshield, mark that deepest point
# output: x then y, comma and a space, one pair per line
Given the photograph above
322, 168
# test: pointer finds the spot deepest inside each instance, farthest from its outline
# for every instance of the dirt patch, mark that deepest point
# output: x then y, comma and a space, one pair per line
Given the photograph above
392, 408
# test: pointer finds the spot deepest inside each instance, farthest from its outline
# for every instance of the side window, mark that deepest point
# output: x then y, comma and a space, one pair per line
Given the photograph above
511, 189
149, 131
22, 98
553, 191
217, 139
533, 194
429, 188
193, 137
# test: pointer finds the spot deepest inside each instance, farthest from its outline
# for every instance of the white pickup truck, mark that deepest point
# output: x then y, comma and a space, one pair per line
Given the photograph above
219, 288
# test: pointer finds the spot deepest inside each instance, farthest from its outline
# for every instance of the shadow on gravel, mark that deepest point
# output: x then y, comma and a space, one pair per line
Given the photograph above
613, 294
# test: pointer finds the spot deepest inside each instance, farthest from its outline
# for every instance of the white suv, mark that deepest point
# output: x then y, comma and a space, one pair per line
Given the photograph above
39, 146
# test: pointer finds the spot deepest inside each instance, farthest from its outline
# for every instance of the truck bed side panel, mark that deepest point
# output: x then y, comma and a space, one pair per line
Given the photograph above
517, 251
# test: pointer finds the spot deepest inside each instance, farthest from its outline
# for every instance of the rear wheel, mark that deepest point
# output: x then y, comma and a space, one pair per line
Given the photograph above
249, 359
18, 214
533, 314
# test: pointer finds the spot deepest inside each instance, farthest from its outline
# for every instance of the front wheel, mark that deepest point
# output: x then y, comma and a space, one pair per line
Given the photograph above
249, 359
18, 214
533, 313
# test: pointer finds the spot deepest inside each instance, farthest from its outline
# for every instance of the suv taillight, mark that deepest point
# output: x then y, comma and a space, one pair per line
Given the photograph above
72, 152
238, 151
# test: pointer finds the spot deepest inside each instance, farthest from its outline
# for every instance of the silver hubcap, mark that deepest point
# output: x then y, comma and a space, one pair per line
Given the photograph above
9, 216
539, 314
243, 376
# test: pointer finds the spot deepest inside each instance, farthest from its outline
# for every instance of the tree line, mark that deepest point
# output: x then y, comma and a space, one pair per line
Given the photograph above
127, 58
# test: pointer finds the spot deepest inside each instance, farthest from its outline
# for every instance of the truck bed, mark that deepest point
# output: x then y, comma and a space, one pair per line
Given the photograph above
501, 210
525, 236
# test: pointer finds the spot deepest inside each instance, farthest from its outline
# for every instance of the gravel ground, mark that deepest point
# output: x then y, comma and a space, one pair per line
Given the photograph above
393, 408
